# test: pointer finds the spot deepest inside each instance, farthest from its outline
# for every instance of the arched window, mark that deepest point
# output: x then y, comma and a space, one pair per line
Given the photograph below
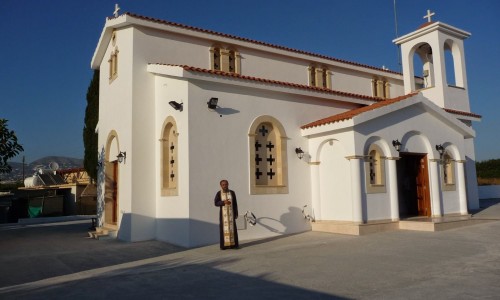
375, 167
268, 157
375, 170
381, 88
312, 76
423, 66
232, 62
227, 60
170, 159
215, 61
320, 77
448, 172
113, 64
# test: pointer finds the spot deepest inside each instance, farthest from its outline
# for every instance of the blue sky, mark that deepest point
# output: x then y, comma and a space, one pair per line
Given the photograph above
46, 48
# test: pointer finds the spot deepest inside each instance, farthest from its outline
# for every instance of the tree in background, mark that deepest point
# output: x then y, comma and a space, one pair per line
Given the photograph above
488, 172
9, 147
89, 134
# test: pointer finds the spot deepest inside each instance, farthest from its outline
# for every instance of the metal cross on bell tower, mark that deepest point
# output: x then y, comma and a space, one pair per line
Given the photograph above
429, 15
117, 9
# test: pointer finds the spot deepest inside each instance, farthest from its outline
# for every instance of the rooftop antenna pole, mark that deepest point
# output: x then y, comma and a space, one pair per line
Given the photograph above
397, 35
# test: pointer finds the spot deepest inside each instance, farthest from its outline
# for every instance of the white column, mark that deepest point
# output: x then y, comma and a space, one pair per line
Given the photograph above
357, 205
462, 196
393, 187
315, 194
437, 210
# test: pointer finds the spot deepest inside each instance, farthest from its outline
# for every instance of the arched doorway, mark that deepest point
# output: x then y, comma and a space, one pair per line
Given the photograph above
111, 181
413, 185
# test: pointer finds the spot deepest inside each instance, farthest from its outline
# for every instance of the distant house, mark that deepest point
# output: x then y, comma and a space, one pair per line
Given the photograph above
58, 192
292, 131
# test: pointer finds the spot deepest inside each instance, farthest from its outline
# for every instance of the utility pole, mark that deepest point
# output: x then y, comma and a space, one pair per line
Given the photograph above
397, 36
23, 168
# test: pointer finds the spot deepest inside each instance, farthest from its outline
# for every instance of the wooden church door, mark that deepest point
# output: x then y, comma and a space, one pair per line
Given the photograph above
422, 180
115, 192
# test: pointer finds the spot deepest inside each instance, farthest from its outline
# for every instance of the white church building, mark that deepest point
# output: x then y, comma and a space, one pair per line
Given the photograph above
295, 133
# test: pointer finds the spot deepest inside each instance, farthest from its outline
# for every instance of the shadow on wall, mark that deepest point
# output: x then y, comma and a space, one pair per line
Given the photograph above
194, 233
224, 111
292, 221
180, 232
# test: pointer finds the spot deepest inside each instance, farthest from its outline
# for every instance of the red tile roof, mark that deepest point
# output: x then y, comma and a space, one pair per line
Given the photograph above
426, 24
354, 112
463, 113
254, 42
276, 82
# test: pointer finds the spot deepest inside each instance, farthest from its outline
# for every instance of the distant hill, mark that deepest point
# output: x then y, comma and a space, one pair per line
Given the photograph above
44, 162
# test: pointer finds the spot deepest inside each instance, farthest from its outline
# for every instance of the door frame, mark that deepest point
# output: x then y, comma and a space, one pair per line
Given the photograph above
420, 179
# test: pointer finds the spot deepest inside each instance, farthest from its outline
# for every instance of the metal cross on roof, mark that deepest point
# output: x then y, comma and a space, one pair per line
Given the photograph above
429, 15
117, 9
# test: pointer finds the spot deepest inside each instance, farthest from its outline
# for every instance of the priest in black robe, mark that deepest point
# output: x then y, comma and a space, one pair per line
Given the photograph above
225, 199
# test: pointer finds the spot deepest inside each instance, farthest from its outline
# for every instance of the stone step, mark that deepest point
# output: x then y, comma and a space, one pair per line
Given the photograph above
352, 228
439, 225
417, 224
102, 233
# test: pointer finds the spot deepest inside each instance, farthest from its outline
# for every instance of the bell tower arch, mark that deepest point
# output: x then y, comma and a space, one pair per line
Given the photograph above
440, 49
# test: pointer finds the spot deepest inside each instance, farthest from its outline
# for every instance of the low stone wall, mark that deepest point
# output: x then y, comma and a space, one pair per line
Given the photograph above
489, 191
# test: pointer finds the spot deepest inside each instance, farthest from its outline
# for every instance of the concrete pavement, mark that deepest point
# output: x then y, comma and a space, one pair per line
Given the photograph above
56, 261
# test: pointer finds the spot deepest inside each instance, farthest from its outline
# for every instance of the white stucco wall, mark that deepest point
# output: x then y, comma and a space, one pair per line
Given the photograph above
115, 99
219, 149
172, 212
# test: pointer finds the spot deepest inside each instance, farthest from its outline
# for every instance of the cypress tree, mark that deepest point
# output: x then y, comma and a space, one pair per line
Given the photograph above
89, 134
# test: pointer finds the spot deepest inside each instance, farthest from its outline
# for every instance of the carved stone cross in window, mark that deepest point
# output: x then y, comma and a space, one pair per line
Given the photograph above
263, 130
270, 146
258, 173
270, 159
172, 147
271, 173
257, 159
257, 145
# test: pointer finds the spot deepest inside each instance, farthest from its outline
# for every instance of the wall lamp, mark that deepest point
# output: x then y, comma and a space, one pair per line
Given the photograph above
397, 145
440, 149
212, 103
299, 152
122, 156
176, 105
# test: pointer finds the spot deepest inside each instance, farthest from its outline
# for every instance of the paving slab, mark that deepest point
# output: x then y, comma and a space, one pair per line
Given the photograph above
58, 262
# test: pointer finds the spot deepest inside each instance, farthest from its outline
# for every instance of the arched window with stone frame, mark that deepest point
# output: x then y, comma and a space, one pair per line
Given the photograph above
268, 157
375, 170
320, 77
169, 158
225, 59
312, 76
448, 172
215, 58
234, 63
113, 64
381, 88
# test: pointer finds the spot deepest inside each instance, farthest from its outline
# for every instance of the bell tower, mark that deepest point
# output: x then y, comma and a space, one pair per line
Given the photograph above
439, 48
